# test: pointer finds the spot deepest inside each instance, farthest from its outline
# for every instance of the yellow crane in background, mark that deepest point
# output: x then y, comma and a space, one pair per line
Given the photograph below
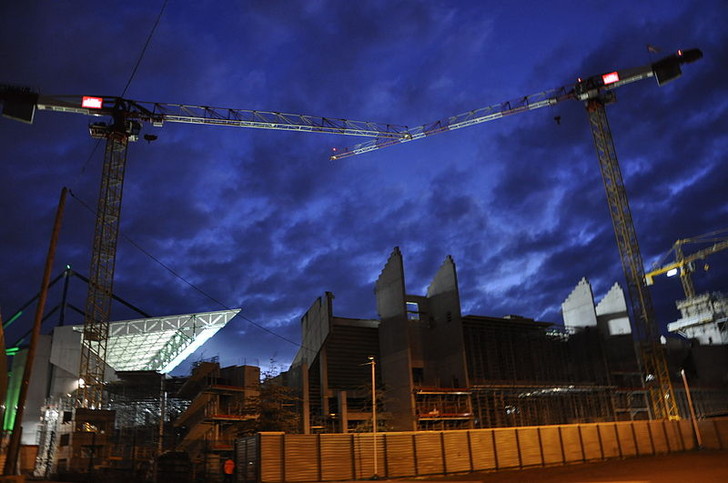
684, 264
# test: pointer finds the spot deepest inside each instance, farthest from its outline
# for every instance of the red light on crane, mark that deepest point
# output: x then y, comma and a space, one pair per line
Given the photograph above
92, 102
610, 78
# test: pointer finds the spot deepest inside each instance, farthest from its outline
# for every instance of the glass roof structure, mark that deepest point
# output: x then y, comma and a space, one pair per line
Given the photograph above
160, 343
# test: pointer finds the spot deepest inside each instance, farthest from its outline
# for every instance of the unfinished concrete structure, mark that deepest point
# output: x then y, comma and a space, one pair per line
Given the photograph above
330, 370
439, 369
609, 315
704, 318
63, 435
219, 399
699, 347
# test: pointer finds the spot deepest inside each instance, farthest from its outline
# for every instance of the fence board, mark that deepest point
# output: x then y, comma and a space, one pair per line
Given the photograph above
481, 441
708, 434
687, 434
571, 443
342, 457
721, 425
608, 437
659, 439
643, 437
301, 457
529, 446
551, 444
457, 451
336, 457
627, 444
429, 454
271, 457
590, 442
674, 441
506, 448
400, 455
364, 455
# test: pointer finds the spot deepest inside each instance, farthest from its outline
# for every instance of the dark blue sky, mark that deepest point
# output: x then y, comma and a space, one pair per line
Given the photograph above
264, 221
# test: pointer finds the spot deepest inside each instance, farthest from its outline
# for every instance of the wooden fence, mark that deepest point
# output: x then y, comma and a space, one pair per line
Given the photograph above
279, 457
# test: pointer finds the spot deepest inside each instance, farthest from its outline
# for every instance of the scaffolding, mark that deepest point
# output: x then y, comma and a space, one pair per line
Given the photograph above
443, 409
524, 373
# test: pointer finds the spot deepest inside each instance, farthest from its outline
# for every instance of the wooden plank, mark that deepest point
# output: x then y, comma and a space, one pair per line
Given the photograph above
643, 437
506, 448
456, 450
590, 442
551, 444
571, 443
609, 439
336, 457
429, 454
708, 434
400, 455
481, 441
301, 457
529, 446
271, 457
674, 441
659, 438
687, 435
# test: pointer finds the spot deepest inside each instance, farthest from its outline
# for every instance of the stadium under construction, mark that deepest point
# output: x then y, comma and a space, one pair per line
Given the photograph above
436, 369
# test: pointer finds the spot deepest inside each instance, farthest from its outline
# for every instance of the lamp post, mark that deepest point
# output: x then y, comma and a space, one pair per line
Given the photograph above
692, 410
373, 364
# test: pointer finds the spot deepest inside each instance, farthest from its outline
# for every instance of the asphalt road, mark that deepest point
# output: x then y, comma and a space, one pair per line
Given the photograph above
701, 466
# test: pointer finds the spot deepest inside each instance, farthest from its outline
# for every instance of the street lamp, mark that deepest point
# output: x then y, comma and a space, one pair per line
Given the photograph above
692, 409
373, 364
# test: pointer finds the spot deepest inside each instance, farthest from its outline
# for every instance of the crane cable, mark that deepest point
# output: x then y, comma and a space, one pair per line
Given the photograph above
131, 76
132, 242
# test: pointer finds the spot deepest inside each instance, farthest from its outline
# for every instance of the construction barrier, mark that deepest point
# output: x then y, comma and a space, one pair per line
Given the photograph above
280, 457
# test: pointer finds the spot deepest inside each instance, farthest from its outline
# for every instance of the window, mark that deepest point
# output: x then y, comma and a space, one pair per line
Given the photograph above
413, 311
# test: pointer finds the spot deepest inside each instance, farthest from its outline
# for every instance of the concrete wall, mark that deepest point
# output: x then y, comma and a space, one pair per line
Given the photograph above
394, 342
578, 308
444, 348
612, 315
315, 327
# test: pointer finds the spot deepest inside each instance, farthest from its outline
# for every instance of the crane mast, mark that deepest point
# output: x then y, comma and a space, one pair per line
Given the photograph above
596, 92
103, 258
654, 363
128, 117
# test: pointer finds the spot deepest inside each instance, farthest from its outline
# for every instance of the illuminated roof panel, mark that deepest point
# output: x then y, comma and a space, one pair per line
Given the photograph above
161, 343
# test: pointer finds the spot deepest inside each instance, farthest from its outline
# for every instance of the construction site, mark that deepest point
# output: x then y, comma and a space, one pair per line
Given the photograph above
92, 398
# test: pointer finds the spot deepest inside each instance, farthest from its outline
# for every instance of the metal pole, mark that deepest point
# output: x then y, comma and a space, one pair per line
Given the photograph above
373, 363
692, 410
11, 461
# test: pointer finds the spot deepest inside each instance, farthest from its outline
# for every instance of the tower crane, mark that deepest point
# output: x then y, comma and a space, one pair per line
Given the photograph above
127, 118
684, 264
596, 92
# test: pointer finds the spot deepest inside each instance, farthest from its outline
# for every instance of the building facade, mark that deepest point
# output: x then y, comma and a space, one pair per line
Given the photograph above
439, 369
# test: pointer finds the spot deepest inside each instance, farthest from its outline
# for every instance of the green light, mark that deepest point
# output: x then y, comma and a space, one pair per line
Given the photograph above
13, 319
11, 401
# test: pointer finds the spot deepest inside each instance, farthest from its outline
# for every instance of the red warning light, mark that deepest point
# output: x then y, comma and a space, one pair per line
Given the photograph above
92, 102
610, 78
